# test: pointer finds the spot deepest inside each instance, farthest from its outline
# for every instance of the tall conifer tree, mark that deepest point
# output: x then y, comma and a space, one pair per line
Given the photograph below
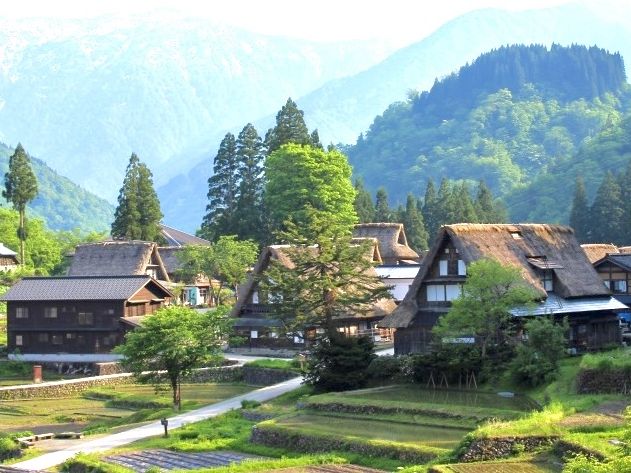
20, 187
486, 208
249, 205
137, 216
430, 209
382, 209
607, 211
290, 128
364, 205
580, 219
223, 190
464, 210
414, 225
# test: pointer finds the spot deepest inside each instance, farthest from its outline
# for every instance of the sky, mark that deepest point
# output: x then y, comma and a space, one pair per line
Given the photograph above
398, 21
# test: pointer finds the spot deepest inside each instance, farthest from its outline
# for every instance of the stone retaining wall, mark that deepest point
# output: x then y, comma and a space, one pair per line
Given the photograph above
610, 381
266, 376
503, 447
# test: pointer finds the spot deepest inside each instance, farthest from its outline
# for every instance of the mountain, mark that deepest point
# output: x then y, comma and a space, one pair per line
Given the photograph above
61, 203
344, 107
83, 94
516, 117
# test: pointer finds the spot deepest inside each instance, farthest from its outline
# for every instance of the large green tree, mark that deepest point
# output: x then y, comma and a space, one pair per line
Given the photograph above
138, 215
430, 209
223, 191
303, 181
607, 211
414, 225
487, 208
171, 343
20, 187
482, 310
580, 219
226, 261
328, 277
290, 128
382, 208
250, 155
364, 206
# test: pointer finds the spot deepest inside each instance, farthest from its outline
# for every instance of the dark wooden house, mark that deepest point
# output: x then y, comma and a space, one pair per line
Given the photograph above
615, 272
550, 260
77, 318
254, 317
8, 259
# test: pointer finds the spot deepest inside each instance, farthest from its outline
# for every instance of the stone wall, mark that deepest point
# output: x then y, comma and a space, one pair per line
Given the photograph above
502, 447
266, 376
609, 381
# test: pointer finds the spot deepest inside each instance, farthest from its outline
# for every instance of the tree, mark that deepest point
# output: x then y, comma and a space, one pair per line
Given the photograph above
303, 182
482, 310
138, 215
607, 212
414, 226
580, 219
290, 128
364, 206
329, 277
537, 359
174, 340
227, 261
223, 190
382, 208
486, 208
430, 209
464, 210
249, 206
20, 187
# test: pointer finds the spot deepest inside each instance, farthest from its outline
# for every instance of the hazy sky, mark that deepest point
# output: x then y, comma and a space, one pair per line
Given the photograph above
397, 20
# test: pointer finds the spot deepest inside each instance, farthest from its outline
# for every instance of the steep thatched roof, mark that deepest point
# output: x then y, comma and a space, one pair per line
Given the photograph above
169, 258
116, 258
597, 251
624, 249
373, 249
529, 247
393, 244
175, 237
279, 253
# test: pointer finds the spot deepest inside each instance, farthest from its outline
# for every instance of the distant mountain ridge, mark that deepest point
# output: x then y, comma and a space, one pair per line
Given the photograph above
518, 117
62, 204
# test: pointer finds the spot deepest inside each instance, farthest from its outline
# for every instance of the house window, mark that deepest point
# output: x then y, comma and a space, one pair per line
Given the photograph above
255, 297
203, 295
435, 292
152, 272
547, 281
42, 338
254, 334
108, 311
85, 318
620, 286
442, 267
18, 341
462, 268
71, 336
516, 235
21, 312
453, 291
57, 340
607, 283
50, 312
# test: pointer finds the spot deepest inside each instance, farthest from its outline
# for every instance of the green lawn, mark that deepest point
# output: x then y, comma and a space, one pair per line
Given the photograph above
88, 413
3, 330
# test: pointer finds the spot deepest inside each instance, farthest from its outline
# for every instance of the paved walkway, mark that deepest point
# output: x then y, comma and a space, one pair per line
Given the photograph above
51, 459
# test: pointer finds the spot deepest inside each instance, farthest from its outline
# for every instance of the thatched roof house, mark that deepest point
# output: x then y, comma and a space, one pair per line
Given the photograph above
118, 258
548, 256
254, 315
174, 237
393, 244
597, 251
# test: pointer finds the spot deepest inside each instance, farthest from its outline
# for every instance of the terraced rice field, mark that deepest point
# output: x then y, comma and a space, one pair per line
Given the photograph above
432, 436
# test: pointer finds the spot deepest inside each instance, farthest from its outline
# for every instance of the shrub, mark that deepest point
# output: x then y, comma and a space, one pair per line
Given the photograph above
9, 447
386, 367
249, 404
83, 463
339, 363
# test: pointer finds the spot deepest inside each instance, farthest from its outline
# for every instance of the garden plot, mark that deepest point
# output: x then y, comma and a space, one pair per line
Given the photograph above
168, 460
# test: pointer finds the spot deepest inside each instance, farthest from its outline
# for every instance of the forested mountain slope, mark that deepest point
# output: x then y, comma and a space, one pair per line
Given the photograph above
514, 114
62, 204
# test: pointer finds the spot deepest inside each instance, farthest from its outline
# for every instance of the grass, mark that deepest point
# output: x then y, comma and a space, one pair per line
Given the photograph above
3, 330
99, 413
367, 429
613, 359
291, 365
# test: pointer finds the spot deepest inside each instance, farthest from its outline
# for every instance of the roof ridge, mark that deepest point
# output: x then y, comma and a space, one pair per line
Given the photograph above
118, 276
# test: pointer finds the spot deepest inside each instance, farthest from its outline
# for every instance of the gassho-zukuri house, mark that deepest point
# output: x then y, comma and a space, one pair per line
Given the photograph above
551, 261
254, 318
77, 318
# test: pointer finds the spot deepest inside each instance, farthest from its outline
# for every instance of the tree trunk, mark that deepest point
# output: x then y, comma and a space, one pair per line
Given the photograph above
175, 387
22, 236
